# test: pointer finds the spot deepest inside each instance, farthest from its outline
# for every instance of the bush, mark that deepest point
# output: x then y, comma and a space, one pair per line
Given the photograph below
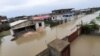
52, 23
98, 18
4, 27
91, 27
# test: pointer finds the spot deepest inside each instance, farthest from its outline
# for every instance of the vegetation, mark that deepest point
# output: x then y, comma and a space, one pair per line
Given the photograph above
4, 27
98, 18
4, 30
89, 28
52, 23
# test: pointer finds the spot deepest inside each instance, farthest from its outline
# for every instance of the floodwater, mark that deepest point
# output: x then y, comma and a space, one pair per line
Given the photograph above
32, 43
86, 45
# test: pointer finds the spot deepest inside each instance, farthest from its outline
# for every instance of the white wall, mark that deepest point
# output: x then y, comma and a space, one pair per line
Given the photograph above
60, 17
11, 31
37, 25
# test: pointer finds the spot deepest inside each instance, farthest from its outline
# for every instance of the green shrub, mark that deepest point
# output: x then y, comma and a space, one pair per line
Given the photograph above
4, 27
98, 18
52, 23
91, 27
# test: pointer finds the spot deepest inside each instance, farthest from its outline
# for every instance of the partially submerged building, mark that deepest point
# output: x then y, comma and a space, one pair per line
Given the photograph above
63, 15
22, 26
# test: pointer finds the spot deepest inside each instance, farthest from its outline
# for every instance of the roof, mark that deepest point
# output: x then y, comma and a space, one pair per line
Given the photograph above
40, 17
58, 44
63, 9
17, 22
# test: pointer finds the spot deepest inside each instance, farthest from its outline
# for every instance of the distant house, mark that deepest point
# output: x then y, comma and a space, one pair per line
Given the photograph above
89, 10
63, 15
3, 19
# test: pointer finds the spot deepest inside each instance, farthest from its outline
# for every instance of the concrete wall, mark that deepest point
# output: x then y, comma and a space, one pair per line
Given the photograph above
44, 53
11, 31
54, 52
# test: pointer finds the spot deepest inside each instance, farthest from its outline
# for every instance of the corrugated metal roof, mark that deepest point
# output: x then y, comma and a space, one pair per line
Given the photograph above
40, 17
17, 22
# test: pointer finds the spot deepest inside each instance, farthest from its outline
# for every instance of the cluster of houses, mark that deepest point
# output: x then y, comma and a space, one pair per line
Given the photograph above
35, 22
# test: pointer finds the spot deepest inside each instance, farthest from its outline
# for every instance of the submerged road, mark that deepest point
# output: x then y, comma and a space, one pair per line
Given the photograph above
33, 43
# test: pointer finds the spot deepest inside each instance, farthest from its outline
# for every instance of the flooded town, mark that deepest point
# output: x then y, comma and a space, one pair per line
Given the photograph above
62, 32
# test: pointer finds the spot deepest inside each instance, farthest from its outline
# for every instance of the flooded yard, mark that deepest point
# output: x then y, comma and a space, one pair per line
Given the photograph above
32, 43
86, 45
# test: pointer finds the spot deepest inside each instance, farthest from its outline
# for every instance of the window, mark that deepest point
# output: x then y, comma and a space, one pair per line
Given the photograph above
65, 15
40, 24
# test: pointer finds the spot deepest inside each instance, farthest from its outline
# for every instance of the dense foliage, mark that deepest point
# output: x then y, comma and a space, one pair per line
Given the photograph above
89, 28
4, 27
53, 23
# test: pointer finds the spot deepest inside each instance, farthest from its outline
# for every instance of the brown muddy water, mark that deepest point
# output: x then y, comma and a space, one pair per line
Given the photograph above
86, 45
32, 43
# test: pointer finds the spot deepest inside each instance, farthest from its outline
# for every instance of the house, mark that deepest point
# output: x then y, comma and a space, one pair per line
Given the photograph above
3, 19
39, 21
88, 10
63, 15
22, 26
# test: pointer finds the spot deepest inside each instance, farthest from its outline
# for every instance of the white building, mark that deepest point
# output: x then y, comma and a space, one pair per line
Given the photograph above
63, 14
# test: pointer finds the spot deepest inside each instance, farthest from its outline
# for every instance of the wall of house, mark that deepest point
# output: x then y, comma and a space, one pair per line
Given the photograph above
11, 31
68, 16
38, 26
